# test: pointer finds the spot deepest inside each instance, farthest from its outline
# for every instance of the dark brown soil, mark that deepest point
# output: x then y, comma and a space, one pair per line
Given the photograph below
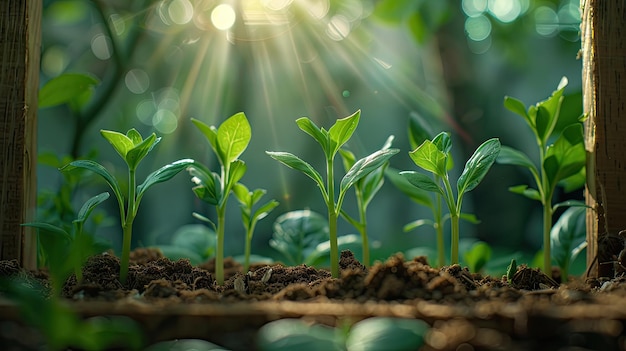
466, 311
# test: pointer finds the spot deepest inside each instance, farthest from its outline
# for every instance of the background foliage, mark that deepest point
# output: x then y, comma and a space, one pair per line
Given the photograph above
157, 64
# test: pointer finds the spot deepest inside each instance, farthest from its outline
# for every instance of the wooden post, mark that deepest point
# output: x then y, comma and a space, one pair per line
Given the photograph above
20, 38
604, 89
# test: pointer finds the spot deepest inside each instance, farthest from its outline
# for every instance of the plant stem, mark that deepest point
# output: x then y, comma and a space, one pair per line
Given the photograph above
454, 223
363, 226
547, 225
219, 252
332, 218
441, 254
127, 226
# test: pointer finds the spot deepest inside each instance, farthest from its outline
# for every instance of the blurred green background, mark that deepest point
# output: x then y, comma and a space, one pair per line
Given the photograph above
449, 62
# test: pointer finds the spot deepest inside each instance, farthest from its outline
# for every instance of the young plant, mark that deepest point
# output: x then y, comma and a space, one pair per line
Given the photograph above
66, 253
364, 189
568, 238
331, 141
247, 200
432, 156
132, 148
561, 161
228, 142
418, 132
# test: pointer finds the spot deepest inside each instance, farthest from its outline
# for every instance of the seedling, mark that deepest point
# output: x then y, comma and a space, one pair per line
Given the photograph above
560, 162
511, 270
132, 148
228, 142
66, 253
364, 189
432, 156
419, 131
331, 141
568, 238
247, 200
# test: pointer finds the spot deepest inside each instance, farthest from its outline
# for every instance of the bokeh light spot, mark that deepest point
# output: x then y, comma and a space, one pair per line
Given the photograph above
118, 23
474, 8
546, 21
100, 46
165, 121
346, 93
318, 9
223, 17
180, 11
145, 110
54, 61
505, 10
478, 28
276, 5
137, 81
338, 28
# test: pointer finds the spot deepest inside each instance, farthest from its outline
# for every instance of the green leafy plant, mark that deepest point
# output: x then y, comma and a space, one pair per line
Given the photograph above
331, 141
477, 256
568, 238
418, 132
432, 156
364, 189
195, 242
62, 328
132, 148
228, 142
300, 236
66, 252
561, 158
375, 333
510, 270
247, 200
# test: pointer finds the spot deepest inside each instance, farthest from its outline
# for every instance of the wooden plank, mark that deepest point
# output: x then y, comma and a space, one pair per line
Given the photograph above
604, 90
20, 38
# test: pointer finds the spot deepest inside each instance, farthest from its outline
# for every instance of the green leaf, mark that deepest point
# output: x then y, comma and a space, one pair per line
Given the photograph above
342, 131
99, 170
307, 126
297, 234
120, 142
292, 161
516, 106
430, 158
478, 165
134, 135
163, 174
365, 166
139, 151
567, 234
294, 334
233, 137
348, 159
265, 209
385, 333
88, 206
419, 130
443, 142
511, 156
418, 195
210, 133
530, 193
243, 195
548, 112
422, 181
477, 256
66, 88
196, 238
207, 188
544, 122
418, 27
418, 223
567, 156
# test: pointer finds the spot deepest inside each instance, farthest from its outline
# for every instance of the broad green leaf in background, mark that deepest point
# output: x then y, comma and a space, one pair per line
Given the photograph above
66, 88
478, 165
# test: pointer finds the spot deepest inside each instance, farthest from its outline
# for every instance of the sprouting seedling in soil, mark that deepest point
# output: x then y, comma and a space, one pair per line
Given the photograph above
364, 189
132, 148
331, 141
560, 162
418, 132
66, 253
432, 156
568, 238
247, 200
228, 142
510, 270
